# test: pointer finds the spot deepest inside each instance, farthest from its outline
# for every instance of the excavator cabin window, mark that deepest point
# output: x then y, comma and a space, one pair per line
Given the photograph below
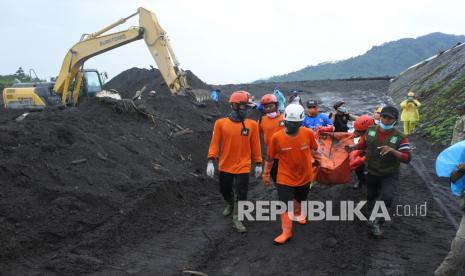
92, 83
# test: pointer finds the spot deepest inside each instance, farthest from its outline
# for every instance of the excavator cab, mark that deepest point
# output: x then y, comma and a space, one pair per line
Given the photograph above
92, 83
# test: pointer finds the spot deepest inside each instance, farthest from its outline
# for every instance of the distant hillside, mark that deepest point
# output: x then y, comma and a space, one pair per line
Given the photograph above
439, 83
388, 59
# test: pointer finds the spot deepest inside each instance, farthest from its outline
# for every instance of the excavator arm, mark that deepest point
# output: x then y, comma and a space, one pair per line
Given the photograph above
96, 43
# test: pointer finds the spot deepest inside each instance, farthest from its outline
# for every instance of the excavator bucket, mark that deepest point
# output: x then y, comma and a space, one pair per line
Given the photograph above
334, 160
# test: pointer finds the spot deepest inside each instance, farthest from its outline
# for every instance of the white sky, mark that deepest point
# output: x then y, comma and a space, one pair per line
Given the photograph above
221, 41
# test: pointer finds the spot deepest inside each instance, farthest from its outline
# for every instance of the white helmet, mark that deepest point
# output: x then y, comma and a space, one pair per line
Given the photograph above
294, 113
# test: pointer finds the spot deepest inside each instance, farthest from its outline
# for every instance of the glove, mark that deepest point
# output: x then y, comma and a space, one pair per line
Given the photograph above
266, 173
210, 169
356, 159
258, 170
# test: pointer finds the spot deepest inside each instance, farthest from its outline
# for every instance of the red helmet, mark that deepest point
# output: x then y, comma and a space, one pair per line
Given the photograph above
363, 123
269, 98
239, 97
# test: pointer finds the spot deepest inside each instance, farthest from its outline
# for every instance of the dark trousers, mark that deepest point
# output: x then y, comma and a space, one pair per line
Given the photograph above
288, 193
274, 170
240, 182
384, 188
360, 172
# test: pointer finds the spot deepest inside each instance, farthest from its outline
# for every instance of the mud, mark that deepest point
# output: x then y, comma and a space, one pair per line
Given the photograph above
88, 191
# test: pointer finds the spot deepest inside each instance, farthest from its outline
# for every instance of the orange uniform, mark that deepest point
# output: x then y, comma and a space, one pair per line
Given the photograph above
293, 152
237, 148
270, 126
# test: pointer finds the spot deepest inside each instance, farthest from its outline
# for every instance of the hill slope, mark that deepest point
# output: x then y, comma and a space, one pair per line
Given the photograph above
389, 59
440, 85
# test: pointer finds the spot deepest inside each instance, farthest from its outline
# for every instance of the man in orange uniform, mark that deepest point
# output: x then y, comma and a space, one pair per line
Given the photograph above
238, 140
293, 148
270, 123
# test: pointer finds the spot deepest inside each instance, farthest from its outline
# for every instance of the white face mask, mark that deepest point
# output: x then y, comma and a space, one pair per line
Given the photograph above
272, 115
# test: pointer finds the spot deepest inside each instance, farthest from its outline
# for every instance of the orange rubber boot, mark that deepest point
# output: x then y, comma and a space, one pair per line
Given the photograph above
286, 225
301, 219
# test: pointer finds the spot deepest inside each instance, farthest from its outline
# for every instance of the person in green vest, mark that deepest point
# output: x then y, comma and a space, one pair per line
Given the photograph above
410, 115
386, 148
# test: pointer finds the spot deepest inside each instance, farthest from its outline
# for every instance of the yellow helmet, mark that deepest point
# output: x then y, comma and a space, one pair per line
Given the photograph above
378, 109
411, 94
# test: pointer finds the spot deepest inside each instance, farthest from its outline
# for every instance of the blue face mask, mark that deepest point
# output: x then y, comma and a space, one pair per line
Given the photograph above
386, 127
342, 109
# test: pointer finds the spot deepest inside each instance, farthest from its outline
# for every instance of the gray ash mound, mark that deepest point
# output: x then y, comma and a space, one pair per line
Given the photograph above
76, 183
134, 79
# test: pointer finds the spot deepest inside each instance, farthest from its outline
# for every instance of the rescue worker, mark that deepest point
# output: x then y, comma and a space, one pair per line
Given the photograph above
235, 141
410, 115
293, 147
341, 117
295, 97
357, 157
455, 259
386, 147
270, 123
316, 121
281, 99
458, 134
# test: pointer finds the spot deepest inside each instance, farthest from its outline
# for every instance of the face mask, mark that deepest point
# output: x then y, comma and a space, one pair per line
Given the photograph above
377, 122
292, 127
313, 111
238, 115
386, 127
272, 115
342, 109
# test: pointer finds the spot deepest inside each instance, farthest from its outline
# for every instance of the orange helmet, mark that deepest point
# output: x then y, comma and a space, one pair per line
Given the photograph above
363, 123
269, 98
240, 97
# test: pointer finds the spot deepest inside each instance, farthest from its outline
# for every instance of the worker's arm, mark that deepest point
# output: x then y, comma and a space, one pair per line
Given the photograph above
403, 104
352, 117
458, 173
402, 152
214, 148
360, 146
255, 144
417, 103
271, 153
332, 116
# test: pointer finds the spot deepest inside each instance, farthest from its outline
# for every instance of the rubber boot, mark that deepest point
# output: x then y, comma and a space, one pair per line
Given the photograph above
228, 209
286, 225
237, 224
301, 219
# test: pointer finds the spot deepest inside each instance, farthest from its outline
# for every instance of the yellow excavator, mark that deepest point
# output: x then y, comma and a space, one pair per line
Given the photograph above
73, 80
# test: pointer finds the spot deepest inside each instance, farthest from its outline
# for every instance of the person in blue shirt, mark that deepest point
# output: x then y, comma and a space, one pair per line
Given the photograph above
281, 99
214, 95
316, 121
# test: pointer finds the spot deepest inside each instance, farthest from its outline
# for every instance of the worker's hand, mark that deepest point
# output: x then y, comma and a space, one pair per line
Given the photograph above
258, 171
210, 169
383, 150
349, 148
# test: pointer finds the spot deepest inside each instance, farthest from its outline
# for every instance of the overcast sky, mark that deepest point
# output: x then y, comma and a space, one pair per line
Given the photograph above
221, 41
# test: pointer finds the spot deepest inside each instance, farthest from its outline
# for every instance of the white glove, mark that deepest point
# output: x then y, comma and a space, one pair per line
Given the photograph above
210, 169
258, 171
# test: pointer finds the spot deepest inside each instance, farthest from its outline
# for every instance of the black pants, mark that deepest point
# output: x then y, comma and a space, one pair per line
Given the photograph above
274, 170
360, 172
381, 187
240, 182
288, 193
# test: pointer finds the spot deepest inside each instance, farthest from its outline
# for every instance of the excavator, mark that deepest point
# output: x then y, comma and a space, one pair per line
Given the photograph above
74, 80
